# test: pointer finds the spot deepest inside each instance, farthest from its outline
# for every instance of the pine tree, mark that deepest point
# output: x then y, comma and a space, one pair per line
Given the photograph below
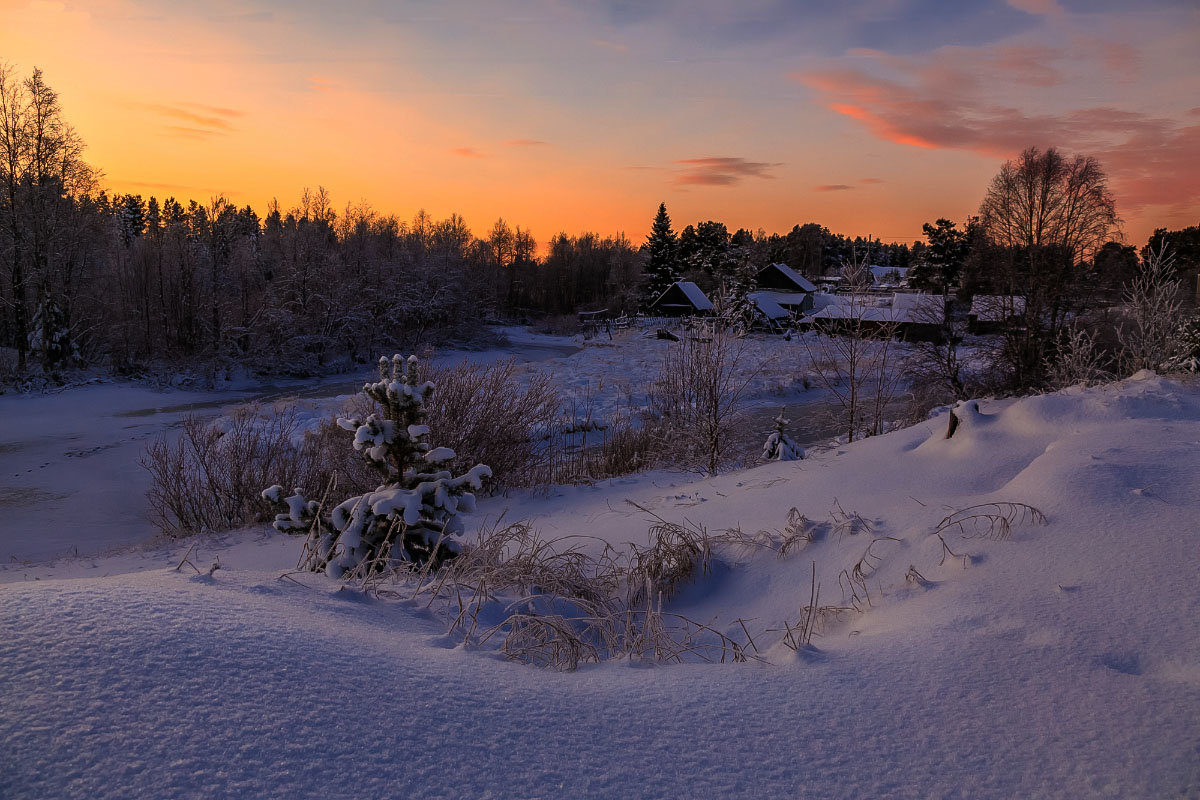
942, 264
412, 516
662, 267
779, 446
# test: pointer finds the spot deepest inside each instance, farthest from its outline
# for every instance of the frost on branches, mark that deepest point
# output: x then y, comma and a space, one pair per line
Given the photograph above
1187, 348
779, 446
412, 516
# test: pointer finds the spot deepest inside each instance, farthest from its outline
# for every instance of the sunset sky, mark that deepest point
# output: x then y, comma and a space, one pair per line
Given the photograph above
868, 117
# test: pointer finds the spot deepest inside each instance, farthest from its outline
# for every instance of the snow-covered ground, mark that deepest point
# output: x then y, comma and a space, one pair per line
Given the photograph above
1061, 661
71, 483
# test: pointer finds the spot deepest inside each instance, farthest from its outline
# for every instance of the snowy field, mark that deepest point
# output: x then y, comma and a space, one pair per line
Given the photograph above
1061, 660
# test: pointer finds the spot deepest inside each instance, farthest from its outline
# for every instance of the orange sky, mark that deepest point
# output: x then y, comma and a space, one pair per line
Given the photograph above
573, 115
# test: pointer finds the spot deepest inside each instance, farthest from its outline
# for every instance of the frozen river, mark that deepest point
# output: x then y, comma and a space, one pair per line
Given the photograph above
72, 484
71, 480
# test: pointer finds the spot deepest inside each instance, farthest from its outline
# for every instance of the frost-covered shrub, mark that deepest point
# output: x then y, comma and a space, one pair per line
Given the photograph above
1078, 360
1149, 333
1187, 348
210, 478
779, 446
412, 515
700, 395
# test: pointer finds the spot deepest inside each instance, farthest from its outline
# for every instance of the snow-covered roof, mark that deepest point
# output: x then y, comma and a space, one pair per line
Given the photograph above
859, 311
767, 305
882, 272
995, 307
695, 295
898, 307
823, 299
802, 283
920, 307
782, 298
692, 292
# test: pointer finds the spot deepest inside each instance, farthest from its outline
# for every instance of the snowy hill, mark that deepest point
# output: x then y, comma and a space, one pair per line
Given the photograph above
1056, 656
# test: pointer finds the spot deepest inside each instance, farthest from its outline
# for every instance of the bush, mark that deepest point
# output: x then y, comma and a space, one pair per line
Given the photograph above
211, 478
699, 397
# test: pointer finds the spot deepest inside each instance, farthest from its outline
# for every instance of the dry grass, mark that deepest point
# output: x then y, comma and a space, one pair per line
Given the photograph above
990, 520
550, 603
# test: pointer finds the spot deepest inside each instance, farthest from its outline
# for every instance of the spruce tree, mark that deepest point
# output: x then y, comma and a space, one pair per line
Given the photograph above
662, 262
412, 516
779, 446
941, 267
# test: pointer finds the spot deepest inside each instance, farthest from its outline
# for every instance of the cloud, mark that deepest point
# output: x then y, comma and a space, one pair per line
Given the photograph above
721, 171
168, 187
319, 85
1150, 159
466, 152
607, 45
184, 132
1037, 7
833, 187
204, 121
871, 181
525, 143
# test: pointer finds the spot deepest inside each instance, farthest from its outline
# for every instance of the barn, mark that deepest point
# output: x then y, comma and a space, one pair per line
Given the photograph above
682, 299
783, 286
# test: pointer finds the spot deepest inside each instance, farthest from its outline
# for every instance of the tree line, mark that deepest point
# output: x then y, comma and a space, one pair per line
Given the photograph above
126, 281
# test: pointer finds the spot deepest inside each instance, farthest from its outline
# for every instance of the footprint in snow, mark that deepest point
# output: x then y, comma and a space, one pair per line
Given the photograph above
1125, 663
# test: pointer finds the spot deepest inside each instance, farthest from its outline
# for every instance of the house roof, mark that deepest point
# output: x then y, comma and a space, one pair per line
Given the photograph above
766, 303
920, 307
882, 272
860, 311
694, 295
801, 283
899, 307
782, 298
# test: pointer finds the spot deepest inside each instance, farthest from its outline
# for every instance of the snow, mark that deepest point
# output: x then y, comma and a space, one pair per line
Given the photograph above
880, 274
897, 307
1062, 661
767, 305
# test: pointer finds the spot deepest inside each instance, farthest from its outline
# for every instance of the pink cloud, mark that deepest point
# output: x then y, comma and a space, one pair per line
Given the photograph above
1038, 7
1150, 159
724, 171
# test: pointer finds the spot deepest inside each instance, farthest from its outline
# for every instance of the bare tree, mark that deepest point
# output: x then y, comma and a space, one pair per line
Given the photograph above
1044, 217
857, 361
700, 394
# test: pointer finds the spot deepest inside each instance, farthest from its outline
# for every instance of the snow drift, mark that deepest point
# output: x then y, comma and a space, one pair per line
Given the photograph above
1059, 657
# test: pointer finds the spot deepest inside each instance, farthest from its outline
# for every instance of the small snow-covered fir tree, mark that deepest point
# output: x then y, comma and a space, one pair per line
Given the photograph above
779, 446
413, 515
